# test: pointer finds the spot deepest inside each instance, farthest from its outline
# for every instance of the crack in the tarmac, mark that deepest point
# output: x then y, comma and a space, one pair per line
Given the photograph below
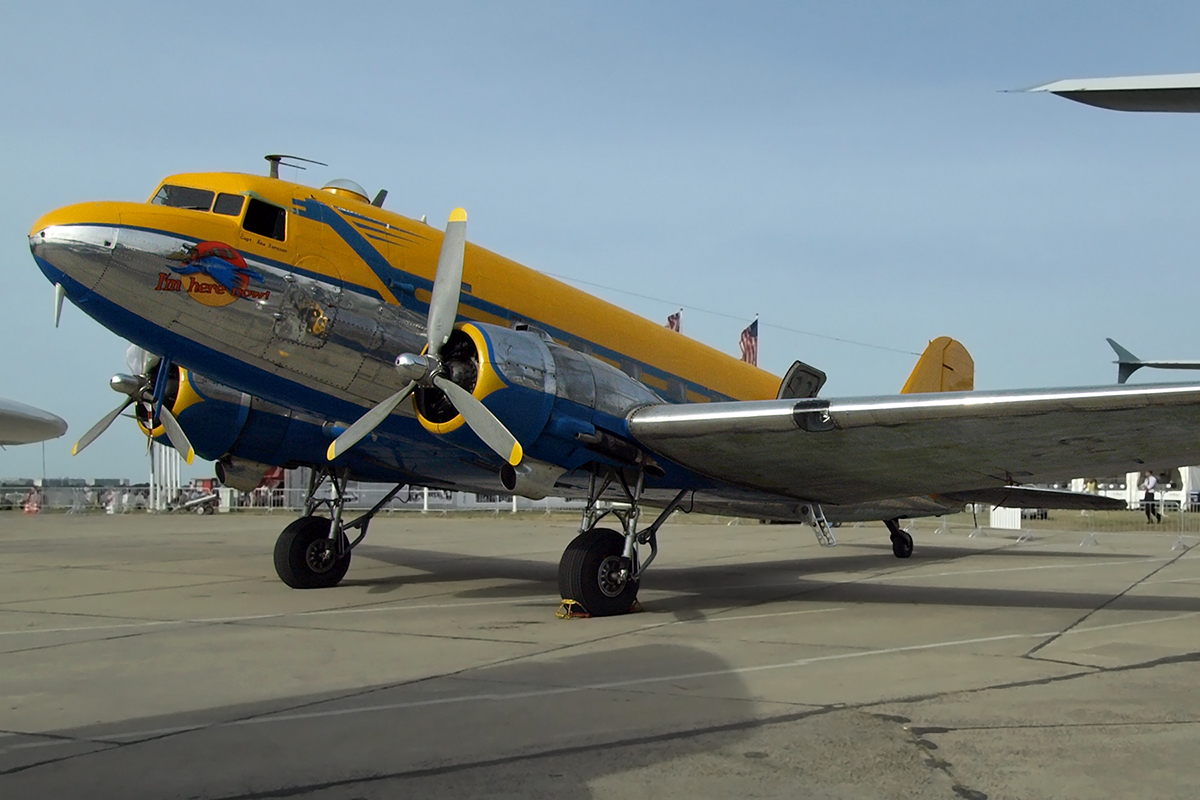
916, 737
933, 730
352, 695
616, 744
1052, 639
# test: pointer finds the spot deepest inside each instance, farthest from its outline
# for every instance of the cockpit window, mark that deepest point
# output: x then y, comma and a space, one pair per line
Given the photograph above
265, 219
228, 204
183, 197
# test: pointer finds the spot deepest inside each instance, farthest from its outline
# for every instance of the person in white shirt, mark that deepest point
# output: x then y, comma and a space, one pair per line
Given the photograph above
1149, 482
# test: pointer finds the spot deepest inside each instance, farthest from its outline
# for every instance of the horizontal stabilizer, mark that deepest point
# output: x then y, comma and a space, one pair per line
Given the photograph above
1128, 363
1032, 497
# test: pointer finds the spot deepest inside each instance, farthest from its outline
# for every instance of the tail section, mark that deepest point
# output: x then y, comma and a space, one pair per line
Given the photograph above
945, 366
1127, 362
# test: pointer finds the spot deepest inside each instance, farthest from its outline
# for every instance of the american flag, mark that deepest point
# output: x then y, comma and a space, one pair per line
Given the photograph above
749, 343
673, 321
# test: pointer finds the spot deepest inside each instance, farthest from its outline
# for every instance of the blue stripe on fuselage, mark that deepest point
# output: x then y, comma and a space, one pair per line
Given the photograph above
391, 276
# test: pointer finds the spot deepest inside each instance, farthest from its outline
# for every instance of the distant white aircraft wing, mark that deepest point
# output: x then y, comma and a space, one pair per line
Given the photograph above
875, 448
1178, 93
22, 424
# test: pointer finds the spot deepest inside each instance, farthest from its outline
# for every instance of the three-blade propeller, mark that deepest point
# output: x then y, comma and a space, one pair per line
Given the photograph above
138, 388
426, 370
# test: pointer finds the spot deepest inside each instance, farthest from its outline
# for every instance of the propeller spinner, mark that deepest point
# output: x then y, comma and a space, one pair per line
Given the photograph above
427, 370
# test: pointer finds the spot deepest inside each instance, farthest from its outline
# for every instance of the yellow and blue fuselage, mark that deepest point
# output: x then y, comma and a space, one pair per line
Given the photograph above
303, 297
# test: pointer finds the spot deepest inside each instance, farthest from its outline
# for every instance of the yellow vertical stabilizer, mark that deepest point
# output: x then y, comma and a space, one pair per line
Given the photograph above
945, 366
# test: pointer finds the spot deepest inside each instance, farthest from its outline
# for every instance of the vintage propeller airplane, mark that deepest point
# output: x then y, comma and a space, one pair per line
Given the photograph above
291, 324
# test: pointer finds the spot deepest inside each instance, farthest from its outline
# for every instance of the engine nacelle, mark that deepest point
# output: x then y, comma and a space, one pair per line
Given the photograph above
565, 407
246, 435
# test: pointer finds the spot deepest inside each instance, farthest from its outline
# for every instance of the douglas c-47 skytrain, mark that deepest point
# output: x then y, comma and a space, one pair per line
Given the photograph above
282, 325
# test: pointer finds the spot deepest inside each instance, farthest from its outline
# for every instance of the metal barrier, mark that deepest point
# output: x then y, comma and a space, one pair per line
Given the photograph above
1179, 529
126, 500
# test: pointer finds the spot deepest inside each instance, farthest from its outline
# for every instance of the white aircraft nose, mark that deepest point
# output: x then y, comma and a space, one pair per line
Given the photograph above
22, 424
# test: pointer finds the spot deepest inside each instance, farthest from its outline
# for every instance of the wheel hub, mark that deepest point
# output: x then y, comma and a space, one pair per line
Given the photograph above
612, 576
319, 556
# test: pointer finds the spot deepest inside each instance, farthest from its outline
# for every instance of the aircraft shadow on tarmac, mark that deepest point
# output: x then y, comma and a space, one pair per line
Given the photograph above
702, 588
543, 728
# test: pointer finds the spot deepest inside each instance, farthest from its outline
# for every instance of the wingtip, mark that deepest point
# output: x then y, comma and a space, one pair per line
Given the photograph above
458, 215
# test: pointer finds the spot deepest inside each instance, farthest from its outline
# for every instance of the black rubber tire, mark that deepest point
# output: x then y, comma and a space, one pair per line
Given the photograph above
902, 544
291, 556
579, 573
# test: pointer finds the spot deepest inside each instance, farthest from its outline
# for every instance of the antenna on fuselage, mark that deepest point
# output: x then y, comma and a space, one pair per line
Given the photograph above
276, 159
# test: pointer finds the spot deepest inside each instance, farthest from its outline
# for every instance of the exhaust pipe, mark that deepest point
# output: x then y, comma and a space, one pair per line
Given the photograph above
530, 478
240, 474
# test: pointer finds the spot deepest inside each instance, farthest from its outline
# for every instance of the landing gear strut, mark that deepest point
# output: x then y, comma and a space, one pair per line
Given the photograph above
314, 551
600, 568
902, 541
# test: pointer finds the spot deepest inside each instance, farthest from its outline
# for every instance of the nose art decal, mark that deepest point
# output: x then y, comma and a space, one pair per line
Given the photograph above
212, 273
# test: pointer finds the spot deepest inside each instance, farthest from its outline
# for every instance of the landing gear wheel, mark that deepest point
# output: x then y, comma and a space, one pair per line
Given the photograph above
304, 557
902, 544
590, 573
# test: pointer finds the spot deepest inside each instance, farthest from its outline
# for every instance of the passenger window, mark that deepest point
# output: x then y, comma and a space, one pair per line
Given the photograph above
265, 219
183, 197
228, 204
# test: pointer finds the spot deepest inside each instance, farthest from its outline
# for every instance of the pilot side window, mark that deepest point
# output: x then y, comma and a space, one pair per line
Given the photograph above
183, 197
228, 204
265, 219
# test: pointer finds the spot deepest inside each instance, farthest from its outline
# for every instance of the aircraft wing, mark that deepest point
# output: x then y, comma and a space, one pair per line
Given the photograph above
22, 424
863, 449
1171, 93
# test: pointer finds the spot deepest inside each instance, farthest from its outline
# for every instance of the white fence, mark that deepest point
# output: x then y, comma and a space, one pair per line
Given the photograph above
410, 498
124, 500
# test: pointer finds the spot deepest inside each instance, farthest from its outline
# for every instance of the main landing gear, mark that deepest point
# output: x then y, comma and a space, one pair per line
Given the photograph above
902, 541
600, 569
314, 551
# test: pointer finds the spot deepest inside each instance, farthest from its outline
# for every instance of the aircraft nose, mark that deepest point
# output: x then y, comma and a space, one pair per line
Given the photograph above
22, 424
73, 245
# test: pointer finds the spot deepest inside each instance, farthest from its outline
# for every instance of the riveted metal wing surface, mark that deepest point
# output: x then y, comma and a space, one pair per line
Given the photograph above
865, 449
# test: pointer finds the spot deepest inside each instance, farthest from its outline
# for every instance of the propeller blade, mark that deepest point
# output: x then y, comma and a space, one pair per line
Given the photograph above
447, 283
175, 433
59, 294
482, 421
101, 426
367, 423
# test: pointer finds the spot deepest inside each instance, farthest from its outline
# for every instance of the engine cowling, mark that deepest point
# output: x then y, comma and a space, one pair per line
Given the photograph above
245, 435
565, 407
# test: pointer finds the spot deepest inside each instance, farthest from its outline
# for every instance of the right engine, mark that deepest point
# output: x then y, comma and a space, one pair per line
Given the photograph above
565, 407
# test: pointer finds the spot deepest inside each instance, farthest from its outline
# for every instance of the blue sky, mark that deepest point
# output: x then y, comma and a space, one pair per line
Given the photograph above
849, 169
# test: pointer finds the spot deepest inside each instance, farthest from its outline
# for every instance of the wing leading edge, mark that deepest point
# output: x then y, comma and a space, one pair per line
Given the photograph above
859, 450
1177, 93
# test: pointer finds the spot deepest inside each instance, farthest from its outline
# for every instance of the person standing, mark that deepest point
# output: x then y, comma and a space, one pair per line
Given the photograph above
1149, 483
